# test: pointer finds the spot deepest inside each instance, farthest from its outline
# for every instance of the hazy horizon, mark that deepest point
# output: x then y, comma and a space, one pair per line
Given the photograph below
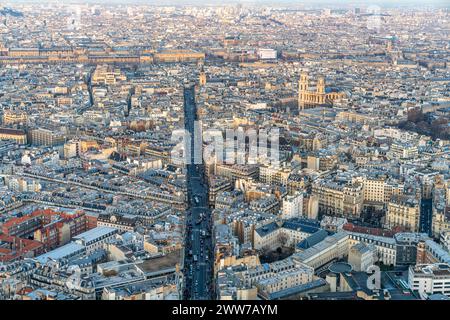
384, 3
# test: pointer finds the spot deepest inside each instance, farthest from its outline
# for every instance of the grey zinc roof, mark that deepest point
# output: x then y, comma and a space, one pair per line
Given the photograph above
313, 239
266, 229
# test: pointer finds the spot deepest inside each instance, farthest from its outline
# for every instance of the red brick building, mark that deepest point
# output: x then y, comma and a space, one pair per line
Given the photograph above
49, 227
14, 248
58, 228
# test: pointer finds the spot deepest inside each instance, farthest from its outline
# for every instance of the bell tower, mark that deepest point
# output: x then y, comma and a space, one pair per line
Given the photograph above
320, 90
303, 86
202, 77
321, 85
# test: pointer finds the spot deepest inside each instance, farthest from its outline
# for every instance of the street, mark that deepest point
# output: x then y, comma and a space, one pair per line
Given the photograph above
426, 214
198, 262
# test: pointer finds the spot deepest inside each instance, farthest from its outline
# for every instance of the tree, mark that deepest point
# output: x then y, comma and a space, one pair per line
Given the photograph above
283, 239
265, 251
415, 115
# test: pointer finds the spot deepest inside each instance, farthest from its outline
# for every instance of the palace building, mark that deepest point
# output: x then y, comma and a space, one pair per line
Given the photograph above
319, 96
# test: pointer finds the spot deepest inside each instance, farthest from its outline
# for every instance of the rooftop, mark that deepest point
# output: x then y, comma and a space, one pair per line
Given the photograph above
94, 234
69, 249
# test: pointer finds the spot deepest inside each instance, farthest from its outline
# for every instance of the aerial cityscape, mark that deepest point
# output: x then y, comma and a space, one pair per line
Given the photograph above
241, 151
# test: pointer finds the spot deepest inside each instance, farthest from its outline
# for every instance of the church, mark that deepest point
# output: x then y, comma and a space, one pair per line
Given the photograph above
320, 96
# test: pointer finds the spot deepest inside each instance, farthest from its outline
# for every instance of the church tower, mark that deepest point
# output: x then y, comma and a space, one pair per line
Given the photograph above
320, 90
321, 85
202, 78
303, 86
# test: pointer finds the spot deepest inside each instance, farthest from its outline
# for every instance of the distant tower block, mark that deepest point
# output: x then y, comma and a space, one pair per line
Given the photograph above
202, 78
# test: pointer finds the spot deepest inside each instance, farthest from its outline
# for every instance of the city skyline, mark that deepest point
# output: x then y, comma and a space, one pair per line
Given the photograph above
313, 3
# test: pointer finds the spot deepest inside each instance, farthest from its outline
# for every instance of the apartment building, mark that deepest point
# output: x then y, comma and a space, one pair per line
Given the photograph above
379, 189
107, 75
440, 222
13, 117
339, 199
235, 172
46, 137
274, 175
23, 227
285, 280
19, 136
292, 206
403, 211
403, 150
